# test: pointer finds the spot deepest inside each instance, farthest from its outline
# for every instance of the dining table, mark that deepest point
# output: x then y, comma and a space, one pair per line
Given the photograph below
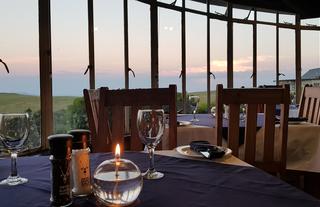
188, 181
303, 146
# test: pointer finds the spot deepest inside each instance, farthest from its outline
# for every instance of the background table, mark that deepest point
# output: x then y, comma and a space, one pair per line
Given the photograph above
186, 183
303, 149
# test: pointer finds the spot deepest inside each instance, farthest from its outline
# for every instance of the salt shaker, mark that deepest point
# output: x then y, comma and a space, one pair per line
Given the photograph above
60, 150
80, 162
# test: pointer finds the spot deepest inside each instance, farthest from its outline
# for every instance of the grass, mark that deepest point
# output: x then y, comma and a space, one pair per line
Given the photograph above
16, 103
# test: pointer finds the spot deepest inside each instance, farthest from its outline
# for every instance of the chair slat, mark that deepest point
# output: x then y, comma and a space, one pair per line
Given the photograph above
284, 133
306, 107
318, 118
250, 133
91, 98
135, 142
316, 110
269, 124
233, 136
219, 114
309, 104
117, 126
311, 109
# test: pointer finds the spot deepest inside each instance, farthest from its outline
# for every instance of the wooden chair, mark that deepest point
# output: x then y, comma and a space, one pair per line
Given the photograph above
92, 99
310, 104
116, 101
252, 98
260, 106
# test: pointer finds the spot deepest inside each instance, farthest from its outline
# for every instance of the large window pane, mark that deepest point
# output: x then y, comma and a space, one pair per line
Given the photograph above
287, 57
310, 50
242, 54
69, 61
169, 48
109, 55
266, 55
218, 53
139, 44
196, 47
20, 89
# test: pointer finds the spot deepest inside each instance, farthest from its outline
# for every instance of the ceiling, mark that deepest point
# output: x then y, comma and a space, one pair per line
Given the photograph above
306, 8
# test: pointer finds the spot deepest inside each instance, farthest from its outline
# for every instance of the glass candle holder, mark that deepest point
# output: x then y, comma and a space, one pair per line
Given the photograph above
117, 182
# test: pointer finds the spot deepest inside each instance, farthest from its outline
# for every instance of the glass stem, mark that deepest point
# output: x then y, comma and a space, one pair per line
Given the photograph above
14, 164
151, 158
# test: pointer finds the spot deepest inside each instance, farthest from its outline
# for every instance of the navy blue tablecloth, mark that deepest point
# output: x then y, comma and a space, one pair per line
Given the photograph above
186, 183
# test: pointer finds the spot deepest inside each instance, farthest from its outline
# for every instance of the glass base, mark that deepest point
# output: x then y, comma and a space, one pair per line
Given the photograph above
14, 180
194, 120
152, 175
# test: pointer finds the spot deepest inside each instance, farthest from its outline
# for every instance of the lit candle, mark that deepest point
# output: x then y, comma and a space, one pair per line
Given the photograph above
117, 159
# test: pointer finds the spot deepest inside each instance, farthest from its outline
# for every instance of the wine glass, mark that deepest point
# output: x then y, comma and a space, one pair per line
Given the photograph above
242, 112
194, 101
150, 125
225, 111
213, 111
14, 130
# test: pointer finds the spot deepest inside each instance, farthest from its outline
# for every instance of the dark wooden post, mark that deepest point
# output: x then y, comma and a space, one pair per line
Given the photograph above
45, 71
154, 44
254, 51
298, 59
91, 44
230, 48
208, 57
183, 56
277, 49
126, 43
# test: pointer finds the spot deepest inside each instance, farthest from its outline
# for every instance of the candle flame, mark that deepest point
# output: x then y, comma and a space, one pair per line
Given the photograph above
117, 150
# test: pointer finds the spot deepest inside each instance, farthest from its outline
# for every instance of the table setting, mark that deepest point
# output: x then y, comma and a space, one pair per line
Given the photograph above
197, 174
185, 183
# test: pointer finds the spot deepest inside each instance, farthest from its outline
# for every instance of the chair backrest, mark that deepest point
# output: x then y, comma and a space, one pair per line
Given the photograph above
92, 101
310, 104
115, 101
252, 98
260, 106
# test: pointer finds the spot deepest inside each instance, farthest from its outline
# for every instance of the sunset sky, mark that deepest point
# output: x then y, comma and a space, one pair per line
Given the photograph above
19, 47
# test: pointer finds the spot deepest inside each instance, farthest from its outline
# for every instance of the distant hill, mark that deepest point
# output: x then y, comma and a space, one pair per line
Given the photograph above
16, 103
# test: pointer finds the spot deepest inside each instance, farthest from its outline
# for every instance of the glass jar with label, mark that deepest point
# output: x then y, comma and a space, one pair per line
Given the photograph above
81, 183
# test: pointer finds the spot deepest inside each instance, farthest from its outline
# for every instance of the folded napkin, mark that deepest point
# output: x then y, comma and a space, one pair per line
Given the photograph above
206, 149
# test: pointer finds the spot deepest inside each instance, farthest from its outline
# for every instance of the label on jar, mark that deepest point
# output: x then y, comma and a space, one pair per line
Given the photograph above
81, 172
60, 178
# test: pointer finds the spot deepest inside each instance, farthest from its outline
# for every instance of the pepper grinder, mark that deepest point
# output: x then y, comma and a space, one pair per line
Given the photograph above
80, 162
60, 149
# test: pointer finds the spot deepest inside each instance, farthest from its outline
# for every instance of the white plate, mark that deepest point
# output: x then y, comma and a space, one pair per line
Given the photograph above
186, 151
184, 123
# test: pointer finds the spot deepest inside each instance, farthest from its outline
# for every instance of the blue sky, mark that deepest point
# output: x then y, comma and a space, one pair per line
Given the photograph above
19, 47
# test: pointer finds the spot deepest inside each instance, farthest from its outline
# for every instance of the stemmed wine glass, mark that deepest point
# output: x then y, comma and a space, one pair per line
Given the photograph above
194, 101
242, 112
14, 130
213, 111
150, 125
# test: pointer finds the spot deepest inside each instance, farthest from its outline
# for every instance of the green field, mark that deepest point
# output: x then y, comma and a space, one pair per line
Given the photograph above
15, 103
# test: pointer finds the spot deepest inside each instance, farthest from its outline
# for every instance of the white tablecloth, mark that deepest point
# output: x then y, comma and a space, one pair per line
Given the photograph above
303, 149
